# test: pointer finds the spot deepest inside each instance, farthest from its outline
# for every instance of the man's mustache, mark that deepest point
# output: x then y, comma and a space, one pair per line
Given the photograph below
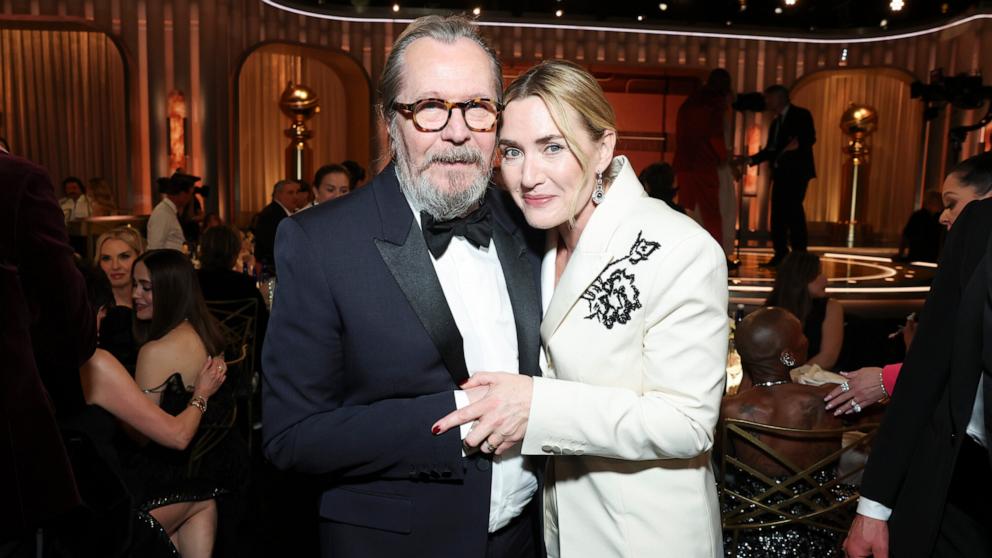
465, 155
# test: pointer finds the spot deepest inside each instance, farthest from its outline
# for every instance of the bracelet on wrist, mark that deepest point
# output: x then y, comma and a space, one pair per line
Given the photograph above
199, 402
885, 394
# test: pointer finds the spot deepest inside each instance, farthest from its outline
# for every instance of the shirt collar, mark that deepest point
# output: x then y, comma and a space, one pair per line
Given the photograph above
284, 208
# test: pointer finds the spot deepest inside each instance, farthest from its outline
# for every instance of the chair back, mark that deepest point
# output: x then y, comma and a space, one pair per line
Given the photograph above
222, 412
822, 495
237, 323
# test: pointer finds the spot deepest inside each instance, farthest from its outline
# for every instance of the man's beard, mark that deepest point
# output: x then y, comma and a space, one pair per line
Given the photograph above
467, 187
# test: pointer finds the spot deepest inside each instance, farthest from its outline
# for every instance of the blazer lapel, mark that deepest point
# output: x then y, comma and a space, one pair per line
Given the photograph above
525, 298
592, 253
409, 262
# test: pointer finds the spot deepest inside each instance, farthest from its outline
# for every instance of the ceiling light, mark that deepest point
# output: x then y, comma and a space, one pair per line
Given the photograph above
477, 11
790, 2
559, 13
396, 7
640, 18
729, 23
897, 5
884, 23
663, 6
778, 10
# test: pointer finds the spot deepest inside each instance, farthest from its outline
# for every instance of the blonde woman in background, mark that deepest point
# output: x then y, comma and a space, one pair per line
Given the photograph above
101, 197
634, 332
116, 251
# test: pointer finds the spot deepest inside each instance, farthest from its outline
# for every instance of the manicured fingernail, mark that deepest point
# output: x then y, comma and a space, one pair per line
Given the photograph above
436, 430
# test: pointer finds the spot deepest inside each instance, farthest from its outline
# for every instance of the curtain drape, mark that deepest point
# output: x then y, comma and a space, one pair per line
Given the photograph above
261, 141
63, 102
895, 144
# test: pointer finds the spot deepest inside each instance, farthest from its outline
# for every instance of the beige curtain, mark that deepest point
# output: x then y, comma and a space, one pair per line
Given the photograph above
63, 103
261, 141
895, 145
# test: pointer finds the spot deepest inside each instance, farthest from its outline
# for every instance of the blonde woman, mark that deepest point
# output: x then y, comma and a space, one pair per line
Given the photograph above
116, 251
634, 331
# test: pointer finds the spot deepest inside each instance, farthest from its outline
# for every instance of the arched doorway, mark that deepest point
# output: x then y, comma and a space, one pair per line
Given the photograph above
342, 128
62, 93
895, 145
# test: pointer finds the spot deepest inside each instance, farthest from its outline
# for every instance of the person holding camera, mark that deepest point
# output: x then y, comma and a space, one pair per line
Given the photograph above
164, 230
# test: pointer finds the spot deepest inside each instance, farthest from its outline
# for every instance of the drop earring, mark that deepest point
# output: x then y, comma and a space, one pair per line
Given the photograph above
787, 359
598, 194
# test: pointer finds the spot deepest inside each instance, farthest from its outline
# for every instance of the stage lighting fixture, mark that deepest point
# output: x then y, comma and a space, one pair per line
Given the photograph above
640, 18
897, 5
477, 11
778, 9
790, 2
396, 7
559, 13
663, 6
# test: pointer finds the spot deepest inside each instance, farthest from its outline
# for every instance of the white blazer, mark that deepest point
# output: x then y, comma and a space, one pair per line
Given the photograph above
635, 336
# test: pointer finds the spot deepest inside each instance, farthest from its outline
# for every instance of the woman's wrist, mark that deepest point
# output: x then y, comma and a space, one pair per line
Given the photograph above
200, 402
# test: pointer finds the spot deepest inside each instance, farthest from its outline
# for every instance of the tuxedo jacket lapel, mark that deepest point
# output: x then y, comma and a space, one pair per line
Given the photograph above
525, 297
404, 252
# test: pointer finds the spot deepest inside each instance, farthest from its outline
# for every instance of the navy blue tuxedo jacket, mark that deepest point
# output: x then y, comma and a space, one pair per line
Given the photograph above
361, 358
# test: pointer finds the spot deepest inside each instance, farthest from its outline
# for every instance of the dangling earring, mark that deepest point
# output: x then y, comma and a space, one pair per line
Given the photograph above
598, 194
787, 359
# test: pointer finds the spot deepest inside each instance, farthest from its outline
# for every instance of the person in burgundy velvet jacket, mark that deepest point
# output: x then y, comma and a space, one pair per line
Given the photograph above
47, 331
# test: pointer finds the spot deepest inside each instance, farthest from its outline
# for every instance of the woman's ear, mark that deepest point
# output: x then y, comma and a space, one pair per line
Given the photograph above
605, 154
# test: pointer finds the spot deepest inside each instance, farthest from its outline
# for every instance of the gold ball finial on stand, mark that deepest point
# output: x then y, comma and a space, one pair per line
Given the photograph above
300, 104
857, 122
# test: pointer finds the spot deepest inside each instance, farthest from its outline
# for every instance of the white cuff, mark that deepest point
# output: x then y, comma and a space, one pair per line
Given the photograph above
874, 510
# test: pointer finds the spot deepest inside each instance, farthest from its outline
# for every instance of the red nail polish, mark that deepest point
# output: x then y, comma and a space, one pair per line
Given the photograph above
436, 430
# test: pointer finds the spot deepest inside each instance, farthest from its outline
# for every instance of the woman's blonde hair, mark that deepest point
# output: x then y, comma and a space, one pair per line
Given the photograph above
566, 87
127, 235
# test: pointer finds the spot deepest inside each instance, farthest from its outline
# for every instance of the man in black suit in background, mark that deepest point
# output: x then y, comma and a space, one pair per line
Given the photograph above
928, 484
789, 152
284, 203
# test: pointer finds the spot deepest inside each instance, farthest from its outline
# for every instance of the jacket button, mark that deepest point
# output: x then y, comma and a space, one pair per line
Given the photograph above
567, 451
546, 448
483, 464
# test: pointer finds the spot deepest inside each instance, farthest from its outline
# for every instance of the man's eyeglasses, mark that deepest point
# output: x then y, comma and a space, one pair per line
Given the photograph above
432, 115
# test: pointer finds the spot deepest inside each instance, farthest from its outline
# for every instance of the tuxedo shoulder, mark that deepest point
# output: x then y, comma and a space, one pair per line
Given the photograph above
347, 215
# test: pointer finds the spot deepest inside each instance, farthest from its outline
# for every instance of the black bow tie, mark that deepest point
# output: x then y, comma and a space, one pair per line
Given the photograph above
476, 227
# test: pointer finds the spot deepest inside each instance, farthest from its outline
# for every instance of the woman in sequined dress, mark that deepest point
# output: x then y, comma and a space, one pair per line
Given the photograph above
176, 334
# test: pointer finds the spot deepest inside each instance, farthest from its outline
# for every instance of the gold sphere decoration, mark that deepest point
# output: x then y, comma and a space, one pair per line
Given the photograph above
299, 102
859, 121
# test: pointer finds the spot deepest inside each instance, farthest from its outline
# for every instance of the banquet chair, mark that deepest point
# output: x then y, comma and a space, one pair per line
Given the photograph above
821, 496
237, 319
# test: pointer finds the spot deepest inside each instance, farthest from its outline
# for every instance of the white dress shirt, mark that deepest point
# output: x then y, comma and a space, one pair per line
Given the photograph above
75, 209
473, 284
976, 429
164, 230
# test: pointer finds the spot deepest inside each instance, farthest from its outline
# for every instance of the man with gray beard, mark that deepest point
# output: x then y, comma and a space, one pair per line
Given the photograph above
388, 300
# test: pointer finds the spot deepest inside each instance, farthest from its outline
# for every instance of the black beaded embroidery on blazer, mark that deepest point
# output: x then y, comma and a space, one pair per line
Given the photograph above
613, 296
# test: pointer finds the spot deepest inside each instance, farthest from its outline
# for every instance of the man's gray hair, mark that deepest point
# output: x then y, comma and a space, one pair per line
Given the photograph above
444, 29
282, 184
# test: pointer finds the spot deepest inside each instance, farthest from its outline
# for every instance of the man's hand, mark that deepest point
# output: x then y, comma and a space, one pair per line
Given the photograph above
501, 414
792, 145
867, 537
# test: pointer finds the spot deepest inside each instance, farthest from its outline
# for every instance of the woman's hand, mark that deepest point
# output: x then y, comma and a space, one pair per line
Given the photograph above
210, 378
502, 413
864, 388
